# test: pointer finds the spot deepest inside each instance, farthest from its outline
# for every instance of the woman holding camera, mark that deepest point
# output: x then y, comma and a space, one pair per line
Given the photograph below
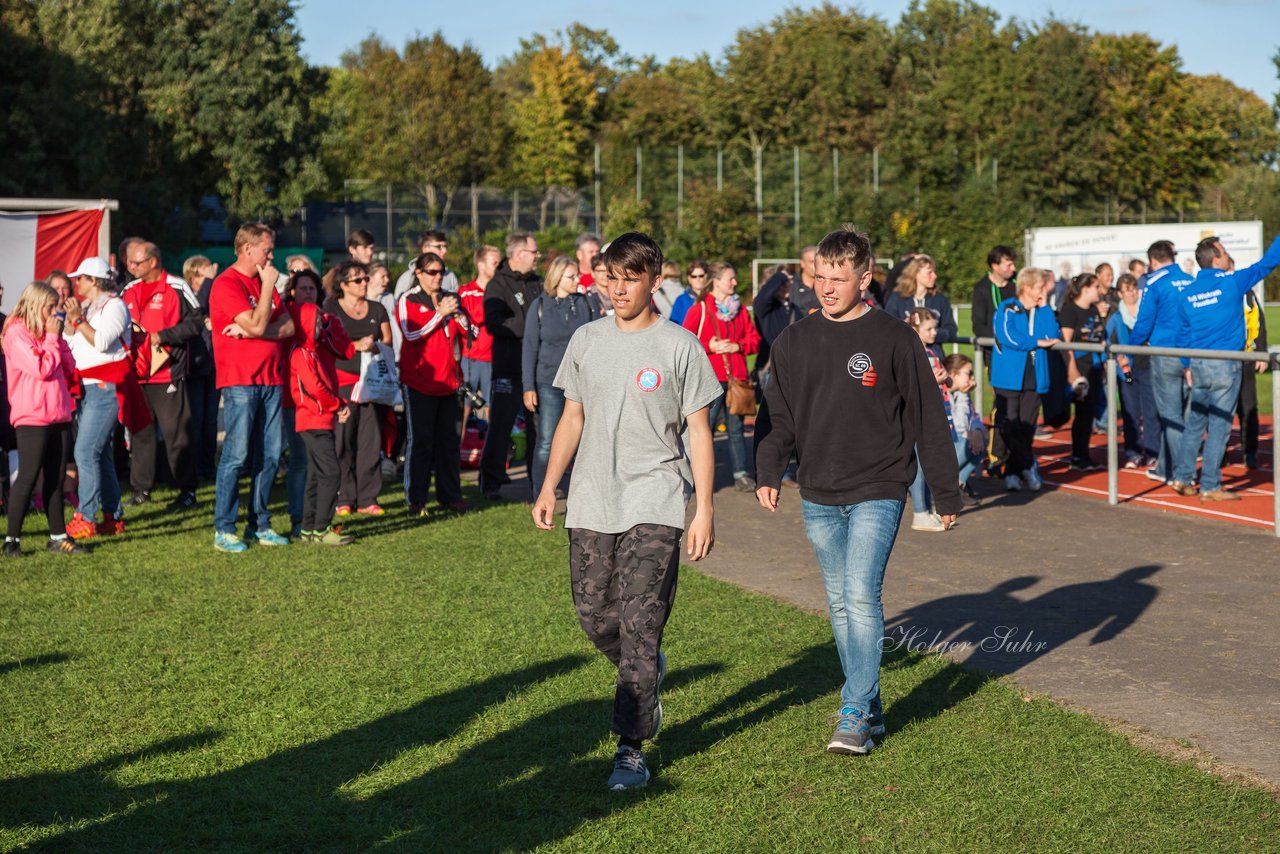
433, 328
551, 322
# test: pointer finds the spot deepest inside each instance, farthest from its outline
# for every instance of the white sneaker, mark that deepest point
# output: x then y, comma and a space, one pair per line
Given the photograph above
927, 521
1031, 478
1013, 483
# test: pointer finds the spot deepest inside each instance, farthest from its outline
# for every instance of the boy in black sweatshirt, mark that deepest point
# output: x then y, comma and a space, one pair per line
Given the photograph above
853, 396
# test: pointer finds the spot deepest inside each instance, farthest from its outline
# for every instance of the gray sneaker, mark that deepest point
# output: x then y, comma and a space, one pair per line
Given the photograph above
629, 770
852, 735
657, 694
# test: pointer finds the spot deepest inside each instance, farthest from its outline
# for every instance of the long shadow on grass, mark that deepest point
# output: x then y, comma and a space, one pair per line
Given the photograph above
35, 661
292, 800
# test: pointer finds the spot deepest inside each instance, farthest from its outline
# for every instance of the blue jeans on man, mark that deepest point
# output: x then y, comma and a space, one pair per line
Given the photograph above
1169, 383
252, 445
852, 543
550, 408
97, 415
1215, 387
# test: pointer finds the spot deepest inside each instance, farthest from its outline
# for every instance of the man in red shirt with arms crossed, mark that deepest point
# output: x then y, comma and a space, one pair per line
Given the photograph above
249, 327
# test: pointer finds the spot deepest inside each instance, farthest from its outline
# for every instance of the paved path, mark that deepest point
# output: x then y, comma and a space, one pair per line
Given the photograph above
1165, 622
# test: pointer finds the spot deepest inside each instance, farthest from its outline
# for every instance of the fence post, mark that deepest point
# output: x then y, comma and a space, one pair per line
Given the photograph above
596, 181
955, 345
475, 212
835, 181
795, 180
1113, 454
719, 170
639, 170
680, 186
979, 365
875, 170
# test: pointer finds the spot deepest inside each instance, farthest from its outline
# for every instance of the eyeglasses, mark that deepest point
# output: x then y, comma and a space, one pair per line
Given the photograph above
359, 280
531, 251
697, 275
435, 271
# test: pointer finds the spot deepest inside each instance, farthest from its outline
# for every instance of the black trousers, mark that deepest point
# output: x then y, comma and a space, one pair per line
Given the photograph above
171, 409
1085, 412
434, 425
321, 493
359, 443
1016, 413
203, 394
1247, 408
506, 403
41, 451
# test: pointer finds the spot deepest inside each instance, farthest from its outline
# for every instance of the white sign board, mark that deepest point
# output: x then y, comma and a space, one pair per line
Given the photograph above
1085, 247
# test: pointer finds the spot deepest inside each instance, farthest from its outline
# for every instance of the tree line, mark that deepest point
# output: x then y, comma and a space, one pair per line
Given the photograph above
985, 127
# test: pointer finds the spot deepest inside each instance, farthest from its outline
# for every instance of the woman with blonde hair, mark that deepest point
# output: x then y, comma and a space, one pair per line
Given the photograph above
551, 322
917, 288
39, 365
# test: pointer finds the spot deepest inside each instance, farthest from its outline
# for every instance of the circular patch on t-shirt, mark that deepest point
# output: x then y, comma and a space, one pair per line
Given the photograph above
862, 369
649, 379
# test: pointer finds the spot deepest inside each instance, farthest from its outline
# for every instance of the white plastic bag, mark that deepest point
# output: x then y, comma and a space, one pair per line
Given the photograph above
378, 381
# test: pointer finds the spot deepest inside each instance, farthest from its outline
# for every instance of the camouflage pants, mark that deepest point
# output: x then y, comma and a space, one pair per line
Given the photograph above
623, 588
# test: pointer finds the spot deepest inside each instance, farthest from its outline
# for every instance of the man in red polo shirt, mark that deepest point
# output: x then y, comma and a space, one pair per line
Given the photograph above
165, 317
250, 326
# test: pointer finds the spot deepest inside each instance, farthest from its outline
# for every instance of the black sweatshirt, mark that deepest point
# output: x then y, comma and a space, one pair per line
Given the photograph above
854, 399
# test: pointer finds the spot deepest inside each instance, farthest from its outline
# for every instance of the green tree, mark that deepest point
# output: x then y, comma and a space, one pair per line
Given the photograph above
430, 117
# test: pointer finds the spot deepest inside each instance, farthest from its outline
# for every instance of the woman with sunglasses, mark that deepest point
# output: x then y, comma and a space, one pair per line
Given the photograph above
359, 438
434, 327
698, 284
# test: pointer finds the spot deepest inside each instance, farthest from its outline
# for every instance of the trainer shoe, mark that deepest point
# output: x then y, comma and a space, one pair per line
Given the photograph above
852, 735
657, 694
459, 506
332, 536
1219, 495
140, 498
1084, 464
927, 521
229, 543
185, 501
80, 528
1031, 478
968, 497
629, 770
66, 546
1013, 483
342, 510
1187, 489
1251, 461
373, 509
268, 538
12, 548
110, 526
1152, 474
745, 483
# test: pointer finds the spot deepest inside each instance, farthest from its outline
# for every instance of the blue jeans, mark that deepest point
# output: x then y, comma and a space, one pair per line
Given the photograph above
550, 408
1141, 421
478, 375
921, 500
967, 459
94, 452
852, 543
737, 442
252, 446
1215, 386
295, 474
1170, 388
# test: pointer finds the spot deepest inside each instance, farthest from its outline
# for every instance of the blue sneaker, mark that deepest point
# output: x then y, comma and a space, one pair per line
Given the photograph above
852, 735
229, 543
629, 770
657, 695
267, 538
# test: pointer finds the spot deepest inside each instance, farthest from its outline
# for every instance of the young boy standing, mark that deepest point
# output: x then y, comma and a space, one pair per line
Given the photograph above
632, 382
853, 396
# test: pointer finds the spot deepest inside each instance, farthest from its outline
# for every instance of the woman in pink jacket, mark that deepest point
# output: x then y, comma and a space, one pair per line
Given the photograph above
39, 364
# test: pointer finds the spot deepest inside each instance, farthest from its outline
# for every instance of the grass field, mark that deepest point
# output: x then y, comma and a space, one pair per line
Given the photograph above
429, 689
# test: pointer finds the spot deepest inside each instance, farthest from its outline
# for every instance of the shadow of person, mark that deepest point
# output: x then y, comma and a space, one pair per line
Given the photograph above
291, 799
35, 661
996, 633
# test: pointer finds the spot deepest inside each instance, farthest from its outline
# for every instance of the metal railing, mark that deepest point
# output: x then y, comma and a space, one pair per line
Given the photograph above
1110, 351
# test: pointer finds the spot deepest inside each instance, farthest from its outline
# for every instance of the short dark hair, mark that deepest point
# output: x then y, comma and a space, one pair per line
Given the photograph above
340, 274
634, 252
955, 362
421, 262
1162, 251
1206, 251
294, 278
999, 253
360, 237
846, 243
434, 236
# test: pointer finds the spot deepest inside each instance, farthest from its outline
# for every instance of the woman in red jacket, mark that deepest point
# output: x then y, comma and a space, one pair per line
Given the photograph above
728, 335
434, 327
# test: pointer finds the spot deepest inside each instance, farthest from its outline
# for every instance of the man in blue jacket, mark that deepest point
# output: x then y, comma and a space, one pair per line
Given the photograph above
1211, 308
1160, 324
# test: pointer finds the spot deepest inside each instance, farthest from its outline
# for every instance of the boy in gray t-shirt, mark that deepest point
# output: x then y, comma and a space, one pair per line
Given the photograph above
632, 383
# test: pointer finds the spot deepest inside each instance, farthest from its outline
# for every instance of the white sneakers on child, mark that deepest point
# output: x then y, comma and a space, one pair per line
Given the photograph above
927, 521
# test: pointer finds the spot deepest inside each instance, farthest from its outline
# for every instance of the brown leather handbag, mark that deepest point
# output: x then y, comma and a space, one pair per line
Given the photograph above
740, 397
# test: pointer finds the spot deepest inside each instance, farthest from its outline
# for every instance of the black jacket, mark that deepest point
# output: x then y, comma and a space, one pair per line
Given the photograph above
984, 304
506, 302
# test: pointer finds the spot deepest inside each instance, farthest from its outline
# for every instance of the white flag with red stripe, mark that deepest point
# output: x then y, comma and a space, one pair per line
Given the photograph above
34, 244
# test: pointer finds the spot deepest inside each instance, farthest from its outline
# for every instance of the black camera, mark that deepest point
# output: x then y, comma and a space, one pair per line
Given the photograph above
469, 396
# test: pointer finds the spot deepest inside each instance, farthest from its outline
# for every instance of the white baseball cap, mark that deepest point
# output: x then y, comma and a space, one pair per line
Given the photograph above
95, 267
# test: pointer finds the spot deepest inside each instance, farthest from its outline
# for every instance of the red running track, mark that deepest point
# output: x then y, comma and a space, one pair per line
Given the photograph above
1254, 486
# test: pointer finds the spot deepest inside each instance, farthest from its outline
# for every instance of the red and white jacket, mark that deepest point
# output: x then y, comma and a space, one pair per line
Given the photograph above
432, 344
168, 313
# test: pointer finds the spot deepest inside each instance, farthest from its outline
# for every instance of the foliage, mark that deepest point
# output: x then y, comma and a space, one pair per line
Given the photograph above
625, 213
717, 225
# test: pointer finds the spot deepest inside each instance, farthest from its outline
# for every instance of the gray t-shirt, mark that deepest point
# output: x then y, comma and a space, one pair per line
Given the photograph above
636, 390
